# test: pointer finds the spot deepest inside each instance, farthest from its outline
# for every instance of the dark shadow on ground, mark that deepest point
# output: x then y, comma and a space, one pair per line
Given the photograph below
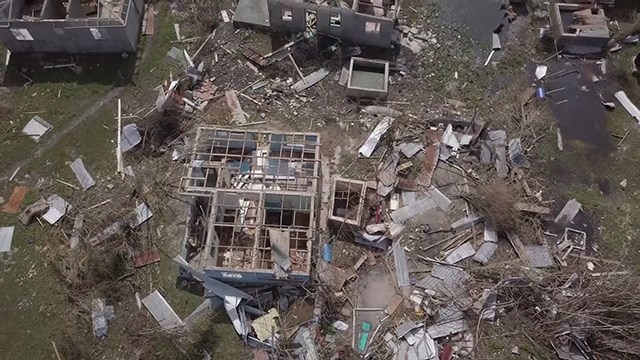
117, 69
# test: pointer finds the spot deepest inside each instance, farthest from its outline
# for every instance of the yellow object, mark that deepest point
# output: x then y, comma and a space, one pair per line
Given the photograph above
266, 325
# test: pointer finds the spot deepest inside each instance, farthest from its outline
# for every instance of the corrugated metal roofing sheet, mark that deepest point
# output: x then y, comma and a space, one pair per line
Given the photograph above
462, 252
447, 328
161, 311
485, 252
408, 212
400, 260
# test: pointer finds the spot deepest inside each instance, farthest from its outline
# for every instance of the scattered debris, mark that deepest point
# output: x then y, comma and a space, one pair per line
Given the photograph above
58, 207
75, 233
382, 111
13, 175
538, 256
628, 105
418, 208
101, 314
85, 180
348, 201
568, 212
36, 128
541, 71
6, 237
237, 114
460, 253
310, 80
266, 326
372, 142
130, 137
142, 214
161, 311
485, 252
368, 78
225, 16
257, 216
146, 257
400, 260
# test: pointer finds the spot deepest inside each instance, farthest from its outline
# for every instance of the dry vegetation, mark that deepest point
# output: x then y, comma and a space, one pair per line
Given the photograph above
520, 114
200, 17
495, 201
600, 309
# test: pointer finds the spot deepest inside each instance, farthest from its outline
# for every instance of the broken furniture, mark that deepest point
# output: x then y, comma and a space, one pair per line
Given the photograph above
347, 202
368, 78
258, 192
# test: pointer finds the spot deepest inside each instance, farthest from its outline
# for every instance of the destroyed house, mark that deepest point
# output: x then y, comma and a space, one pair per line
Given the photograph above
73, 26
579, 28
253, 217
369, 23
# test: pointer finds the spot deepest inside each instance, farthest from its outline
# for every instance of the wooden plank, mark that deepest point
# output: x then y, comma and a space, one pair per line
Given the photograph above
239, 117
254, 56
517, 244
531, 208
147, 257
15, 201
150, 16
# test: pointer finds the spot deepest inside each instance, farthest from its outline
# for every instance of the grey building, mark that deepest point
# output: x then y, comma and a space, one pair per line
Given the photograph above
365, 22
73, 26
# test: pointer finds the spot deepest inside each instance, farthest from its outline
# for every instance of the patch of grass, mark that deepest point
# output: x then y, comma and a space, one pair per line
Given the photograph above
95, 139
30, 293
42, 98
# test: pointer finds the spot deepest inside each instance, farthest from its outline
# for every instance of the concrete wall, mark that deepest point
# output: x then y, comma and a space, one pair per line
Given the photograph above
74, 35
298, 22
134, 22
571, 43
353, 27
